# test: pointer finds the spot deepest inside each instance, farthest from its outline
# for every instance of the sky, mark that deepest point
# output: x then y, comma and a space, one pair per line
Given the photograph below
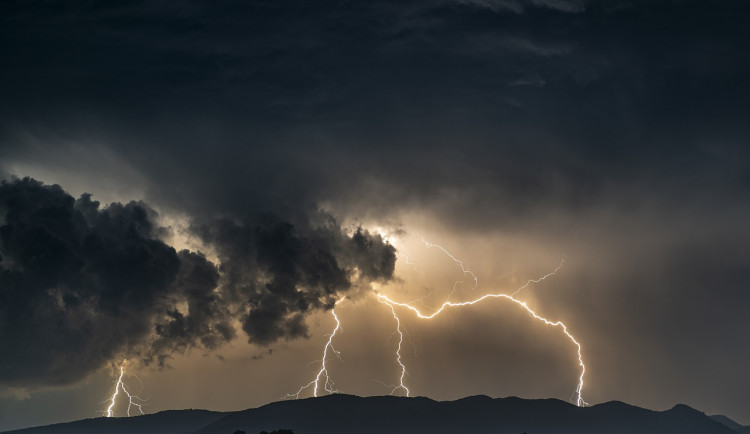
192, 187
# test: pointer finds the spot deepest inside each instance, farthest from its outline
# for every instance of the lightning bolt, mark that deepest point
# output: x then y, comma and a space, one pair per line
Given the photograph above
401, 384
132, 399
449, 304
458, 262
323, 371
530, 281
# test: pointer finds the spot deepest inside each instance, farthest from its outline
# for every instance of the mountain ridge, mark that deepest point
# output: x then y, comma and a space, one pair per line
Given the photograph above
341, 413
731, 424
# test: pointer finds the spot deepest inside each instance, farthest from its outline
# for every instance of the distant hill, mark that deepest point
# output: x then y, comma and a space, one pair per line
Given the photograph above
339, 414
165, 422
731, 424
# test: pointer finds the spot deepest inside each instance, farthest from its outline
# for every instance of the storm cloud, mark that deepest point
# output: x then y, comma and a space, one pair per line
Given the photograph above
86, 284
284, 272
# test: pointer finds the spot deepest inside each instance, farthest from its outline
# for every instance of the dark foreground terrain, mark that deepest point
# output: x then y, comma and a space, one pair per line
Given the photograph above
339, 414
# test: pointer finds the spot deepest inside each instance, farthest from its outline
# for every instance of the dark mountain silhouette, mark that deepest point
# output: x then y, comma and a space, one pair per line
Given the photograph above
731, 424
165, 422
387, 414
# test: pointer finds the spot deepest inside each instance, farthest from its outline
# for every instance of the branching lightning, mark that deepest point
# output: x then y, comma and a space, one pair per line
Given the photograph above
530, 281
448, 304
460, 264
132, 399
328, 384
579, 388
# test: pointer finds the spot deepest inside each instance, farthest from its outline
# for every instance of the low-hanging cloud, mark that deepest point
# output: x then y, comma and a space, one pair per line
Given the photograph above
87, 283
277, 272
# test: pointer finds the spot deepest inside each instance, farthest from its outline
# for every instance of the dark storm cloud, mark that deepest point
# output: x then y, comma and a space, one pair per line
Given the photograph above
82, 284
282, 272
208, 318
393, 97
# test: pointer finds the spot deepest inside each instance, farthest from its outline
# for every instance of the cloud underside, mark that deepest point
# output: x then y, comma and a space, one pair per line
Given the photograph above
85, 284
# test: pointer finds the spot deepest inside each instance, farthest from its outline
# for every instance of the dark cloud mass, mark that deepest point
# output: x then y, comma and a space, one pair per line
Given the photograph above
79, 282
286, 271
85, 284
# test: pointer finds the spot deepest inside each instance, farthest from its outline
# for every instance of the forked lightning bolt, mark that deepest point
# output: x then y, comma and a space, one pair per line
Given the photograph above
579, 388
447, 304
328, 384
132, 399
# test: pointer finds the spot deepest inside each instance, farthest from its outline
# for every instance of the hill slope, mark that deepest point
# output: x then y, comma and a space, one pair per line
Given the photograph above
165, 422
387, 414
731, 424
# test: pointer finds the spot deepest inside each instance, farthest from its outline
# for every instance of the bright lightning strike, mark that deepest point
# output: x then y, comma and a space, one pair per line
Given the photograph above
401, 384
120, 385
328, 384
448, 304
